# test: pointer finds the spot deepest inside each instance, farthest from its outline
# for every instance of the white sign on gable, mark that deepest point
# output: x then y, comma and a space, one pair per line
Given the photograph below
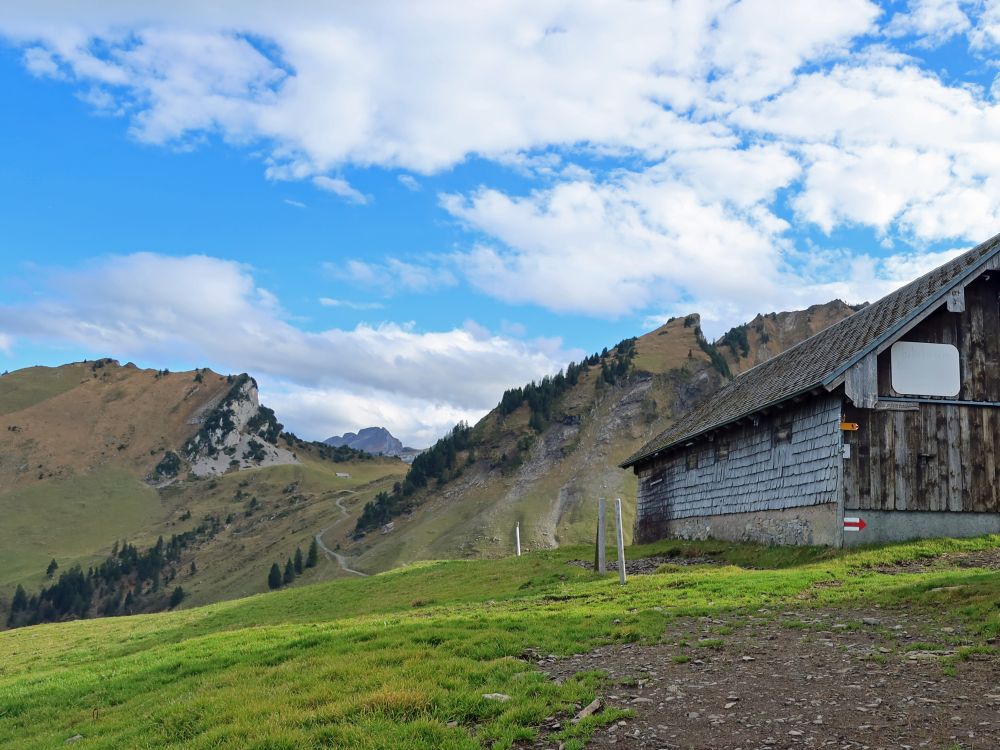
920, 369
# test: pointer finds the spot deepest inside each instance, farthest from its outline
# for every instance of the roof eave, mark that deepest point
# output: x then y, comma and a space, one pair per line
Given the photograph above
632, 461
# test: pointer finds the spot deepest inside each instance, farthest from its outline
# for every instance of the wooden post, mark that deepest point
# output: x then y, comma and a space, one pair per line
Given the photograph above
621, 541
517, 537
602, 563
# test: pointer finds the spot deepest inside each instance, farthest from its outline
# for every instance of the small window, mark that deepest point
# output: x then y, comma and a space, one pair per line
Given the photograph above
692, 460
722, 450
783, 432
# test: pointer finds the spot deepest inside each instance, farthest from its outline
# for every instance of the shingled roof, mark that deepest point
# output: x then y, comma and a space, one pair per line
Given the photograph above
821, 359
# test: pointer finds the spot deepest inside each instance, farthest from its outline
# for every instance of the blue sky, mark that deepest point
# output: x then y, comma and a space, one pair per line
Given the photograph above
389, 215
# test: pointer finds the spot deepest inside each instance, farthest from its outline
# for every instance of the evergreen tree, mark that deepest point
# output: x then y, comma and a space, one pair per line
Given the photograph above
313, 555
298, 560
18, 604
176, 597
51, 570
289, 571
274, 577
194, 568
20, 600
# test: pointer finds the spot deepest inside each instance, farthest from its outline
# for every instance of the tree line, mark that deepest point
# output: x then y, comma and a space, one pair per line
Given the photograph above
128, 581
541, 397
438, 463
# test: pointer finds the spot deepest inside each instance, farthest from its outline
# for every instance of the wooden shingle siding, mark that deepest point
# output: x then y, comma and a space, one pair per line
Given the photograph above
760, 472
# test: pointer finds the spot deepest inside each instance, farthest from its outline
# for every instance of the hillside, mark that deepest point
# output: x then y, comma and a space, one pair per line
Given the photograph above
94, 454
545, 467
881, 647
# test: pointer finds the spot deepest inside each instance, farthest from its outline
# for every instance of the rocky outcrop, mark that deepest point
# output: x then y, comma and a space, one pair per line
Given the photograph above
238, 433
770, 334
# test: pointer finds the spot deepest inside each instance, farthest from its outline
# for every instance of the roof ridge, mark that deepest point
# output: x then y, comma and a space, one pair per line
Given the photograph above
820, 359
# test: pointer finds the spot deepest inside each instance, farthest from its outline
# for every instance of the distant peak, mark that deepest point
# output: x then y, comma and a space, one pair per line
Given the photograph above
376, 440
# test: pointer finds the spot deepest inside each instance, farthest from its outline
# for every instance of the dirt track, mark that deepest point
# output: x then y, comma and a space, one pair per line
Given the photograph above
874, 679
340, 559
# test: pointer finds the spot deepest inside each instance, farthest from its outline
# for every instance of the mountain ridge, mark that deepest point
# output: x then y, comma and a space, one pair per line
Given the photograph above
375, 440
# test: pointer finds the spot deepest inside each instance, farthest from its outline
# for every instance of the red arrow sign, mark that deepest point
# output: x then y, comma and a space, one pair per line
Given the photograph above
854, 524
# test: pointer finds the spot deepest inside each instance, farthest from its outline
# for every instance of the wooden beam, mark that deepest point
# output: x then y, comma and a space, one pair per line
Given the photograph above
861, 382
956, 300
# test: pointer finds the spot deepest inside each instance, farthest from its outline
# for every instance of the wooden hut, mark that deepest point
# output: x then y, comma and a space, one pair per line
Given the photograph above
884, 426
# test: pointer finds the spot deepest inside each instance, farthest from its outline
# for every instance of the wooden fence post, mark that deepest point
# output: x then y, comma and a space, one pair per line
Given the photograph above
602, 563
621, 541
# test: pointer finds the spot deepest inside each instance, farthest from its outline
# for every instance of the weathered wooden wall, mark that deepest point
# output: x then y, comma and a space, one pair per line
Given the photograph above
748, 468
935, 456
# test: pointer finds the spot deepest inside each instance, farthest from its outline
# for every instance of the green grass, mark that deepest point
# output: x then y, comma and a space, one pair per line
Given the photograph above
77, 519
69, 521
32, 385
353, 664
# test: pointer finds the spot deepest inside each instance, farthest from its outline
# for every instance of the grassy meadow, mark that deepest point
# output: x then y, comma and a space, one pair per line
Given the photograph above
403, 659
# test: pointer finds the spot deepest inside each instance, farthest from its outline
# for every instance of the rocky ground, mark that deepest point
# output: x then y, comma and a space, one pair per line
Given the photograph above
988, 559
808, 679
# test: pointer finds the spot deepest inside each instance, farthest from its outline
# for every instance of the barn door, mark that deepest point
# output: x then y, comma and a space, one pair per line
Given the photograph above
857, 460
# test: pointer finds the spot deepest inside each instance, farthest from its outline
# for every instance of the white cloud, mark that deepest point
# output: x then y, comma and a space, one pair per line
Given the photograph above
933, 21
875, 185
323, 412
340, 186
394, 275
6, 343
203, 309
41, 62
294, 203
409, 182
327, 85
330, 302
891, 148
986, 33
617, 247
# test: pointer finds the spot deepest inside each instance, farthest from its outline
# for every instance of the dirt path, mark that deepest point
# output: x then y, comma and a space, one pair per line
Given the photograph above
333, 554
814, 679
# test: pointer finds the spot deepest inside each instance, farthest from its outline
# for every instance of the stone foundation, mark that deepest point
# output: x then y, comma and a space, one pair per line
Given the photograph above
813, 525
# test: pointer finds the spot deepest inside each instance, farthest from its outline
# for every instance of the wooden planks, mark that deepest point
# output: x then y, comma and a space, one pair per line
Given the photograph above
941, 456
861, 382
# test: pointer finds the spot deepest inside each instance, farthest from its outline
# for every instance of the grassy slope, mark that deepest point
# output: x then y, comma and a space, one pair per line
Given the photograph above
390, 661
32, 385
71, 472
295, 502
71, 481
70, 521
553, 492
